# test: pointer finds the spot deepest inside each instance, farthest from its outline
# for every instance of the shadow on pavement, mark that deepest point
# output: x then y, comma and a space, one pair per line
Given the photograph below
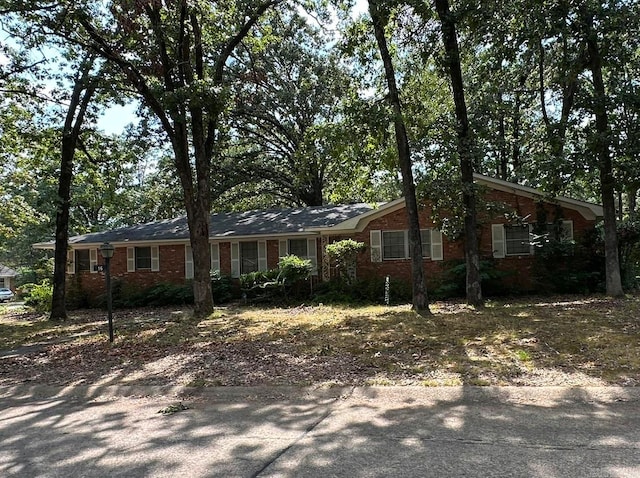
295, 432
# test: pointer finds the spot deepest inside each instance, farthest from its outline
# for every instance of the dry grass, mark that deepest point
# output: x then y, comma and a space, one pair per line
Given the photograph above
560, 341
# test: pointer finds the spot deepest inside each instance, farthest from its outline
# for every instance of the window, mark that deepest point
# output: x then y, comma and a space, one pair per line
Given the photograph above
560, 232
304, 248
143, 258
298, 247
394, 245
83, 262
248, 257
425, 234
517, 240
188, 260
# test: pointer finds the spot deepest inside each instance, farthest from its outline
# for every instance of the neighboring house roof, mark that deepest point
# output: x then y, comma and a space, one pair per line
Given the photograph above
7, 272
287, 222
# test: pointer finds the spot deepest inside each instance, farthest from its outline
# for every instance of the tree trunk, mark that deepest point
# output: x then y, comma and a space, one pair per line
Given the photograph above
58, 299
420, 301
197, 204
191, 126
607, 182
465, 151
70, 133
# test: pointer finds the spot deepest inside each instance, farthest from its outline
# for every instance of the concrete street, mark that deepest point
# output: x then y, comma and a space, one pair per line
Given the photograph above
330, 432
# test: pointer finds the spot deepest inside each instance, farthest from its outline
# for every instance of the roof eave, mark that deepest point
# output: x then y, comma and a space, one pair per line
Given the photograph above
588, 210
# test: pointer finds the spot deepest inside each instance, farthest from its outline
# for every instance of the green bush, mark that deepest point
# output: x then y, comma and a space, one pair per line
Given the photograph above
345, 253
293, 269
568, 267
251, 280
276, 283
168, 294
38, 296
362, 291
221, 288
125, 296
453, 280
629, 249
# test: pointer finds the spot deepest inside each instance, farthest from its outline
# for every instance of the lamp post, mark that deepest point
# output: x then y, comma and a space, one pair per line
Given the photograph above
107, 250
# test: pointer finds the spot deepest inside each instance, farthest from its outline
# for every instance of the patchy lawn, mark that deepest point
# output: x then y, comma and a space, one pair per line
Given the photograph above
534, 341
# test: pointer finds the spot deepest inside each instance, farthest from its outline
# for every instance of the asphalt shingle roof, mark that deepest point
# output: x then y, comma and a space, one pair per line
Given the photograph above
228, 225
7, 271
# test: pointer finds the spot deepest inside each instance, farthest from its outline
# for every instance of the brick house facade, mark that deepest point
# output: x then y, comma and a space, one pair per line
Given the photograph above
159, 252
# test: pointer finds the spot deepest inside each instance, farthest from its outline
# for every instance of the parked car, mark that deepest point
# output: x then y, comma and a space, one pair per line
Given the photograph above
5, 294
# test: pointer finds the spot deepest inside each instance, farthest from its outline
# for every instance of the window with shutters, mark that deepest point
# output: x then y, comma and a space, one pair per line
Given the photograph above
395, 244
516, 240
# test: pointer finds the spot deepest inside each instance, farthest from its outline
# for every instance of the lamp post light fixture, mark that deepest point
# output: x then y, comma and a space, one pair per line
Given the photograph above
107, 250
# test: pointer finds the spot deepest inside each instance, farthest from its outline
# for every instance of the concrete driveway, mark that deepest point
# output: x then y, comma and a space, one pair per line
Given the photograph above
333, 432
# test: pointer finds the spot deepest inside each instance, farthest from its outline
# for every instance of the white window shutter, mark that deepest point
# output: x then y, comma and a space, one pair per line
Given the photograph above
283, 248
497, 240
262, 255
71, 261
155, 258
566, 231
131, 259
188, 262
215, 257
235, 259
312, 251
375, 239
93, 260
437, 253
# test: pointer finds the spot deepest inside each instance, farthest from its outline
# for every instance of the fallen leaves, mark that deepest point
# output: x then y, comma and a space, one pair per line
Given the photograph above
565, 341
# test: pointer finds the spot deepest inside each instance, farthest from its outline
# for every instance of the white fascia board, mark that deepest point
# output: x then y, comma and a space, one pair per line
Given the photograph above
90, 245
588, 210
50, 245
254, 237
358, 223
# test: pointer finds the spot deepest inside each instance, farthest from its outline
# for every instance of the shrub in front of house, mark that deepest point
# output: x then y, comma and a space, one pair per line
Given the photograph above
38, 296
221, 288
362, 291
452, 282
125, 296
276, 283
345, 254
568, 267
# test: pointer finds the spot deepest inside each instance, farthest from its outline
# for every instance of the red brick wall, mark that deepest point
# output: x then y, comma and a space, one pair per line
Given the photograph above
172, 257
400, 269
172, 270
521, 265
273, 254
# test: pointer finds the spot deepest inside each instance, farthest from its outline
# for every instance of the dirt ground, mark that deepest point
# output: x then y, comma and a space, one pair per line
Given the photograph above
568, 341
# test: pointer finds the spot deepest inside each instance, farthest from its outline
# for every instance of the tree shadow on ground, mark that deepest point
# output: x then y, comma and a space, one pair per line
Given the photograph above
291, 432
